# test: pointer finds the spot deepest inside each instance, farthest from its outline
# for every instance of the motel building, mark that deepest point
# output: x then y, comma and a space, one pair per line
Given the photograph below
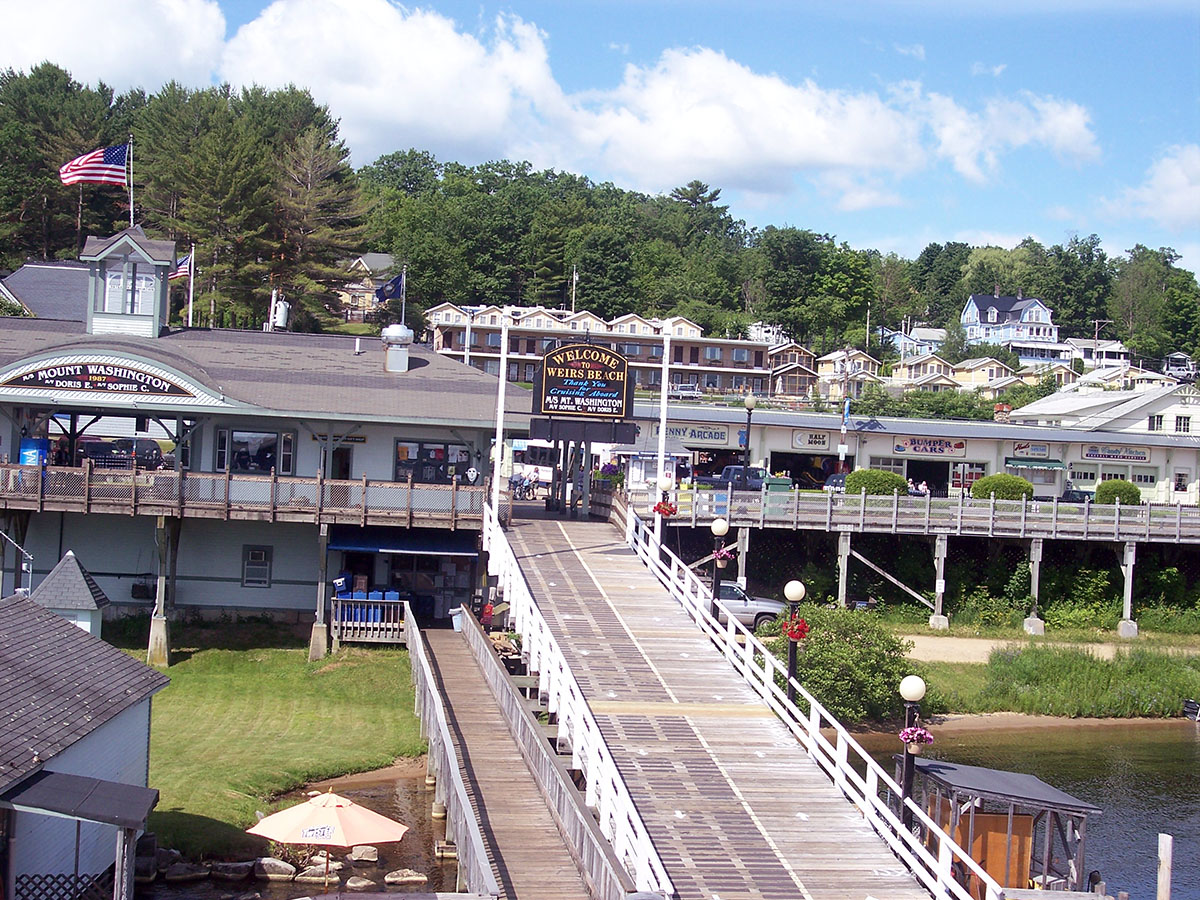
232, 471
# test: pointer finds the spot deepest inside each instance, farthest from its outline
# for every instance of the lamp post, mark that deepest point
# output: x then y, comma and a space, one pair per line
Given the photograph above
912, 690
719, 528
794, 592
751, 402
665, 483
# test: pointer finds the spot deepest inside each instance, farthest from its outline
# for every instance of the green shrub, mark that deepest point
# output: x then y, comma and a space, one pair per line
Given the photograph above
1066, 682
1117, 488
850, 663
1003, 485
979, 607
875, 483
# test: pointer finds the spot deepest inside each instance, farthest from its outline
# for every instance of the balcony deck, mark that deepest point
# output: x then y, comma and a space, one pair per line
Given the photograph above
259, 498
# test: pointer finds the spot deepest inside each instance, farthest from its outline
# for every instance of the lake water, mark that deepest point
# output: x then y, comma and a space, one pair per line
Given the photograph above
1145, 776
405, 799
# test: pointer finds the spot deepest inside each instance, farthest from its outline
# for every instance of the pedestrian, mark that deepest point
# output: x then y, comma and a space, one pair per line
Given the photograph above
923, 488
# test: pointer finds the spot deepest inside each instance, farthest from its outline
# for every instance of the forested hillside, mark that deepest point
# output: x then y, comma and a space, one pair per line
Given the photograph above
261, 182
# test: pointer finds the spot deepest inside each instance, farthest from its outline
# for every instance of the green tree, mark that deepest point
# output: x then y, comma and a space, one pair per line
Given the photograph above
1139, 299
937, 273
320, 215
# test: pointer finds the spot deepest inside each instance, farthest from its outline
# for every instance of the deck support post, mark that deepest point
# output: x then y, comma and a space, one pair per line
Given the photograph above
158, 651
843, 566
938, 620
318, 642
1127, 628
743, 547
1034, 624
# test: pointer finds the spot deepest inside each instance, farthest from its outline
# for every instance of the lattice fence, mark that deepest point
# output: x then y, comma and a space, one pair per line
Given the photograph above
64, 887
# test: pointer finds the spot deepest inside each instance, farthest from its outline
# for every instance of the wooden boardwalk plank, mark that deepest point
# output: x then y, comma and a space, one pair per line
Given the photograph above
734, 805
528, 856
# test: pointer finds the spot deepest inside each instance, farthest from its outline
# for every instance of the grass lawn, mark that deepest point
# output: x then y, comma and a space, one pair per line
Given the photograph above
247, 717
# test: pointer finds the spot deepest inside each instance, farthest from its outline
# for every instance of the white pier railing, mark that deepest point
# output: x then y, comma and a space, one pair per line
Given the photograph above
605, 791
932, 855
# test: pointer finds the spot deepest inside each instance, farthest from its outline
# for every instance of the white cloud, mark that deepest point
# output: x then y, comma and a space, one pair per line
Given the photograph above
995, 71
856, 193
433, 86
916, 51
1170, 195
697, 113
623, 49
163, 40
973, 141
982, 237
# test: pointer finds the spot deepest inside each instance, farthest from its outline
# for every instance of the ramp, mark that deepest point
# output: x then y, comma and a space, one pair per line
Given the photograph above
733, 804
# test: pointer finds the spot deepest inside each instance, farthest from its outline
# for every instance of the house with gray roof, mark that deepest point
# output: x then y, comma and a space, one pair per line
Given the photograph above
268, 440
1022, 324
73, 594
74, 755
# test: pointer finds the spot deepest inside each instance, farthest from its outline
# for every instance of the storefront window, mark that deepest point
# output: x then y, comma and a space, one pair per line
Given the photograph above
255, 451
1081, 474
1182, 477
431, 463
1142, 475
887, 464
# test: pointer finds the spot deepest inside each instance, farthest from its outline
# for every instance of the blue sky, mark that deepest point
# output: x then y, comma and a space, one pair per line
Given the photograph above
887, 124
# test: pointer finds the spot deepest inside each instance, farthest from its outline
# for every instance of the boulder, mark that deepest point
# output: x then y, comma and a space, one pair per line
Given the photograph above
358, 883
185, 872
232, 871
405, 876
363, 853
270, 869
145, 870
316, 875
318, 859
164, 859
248, 895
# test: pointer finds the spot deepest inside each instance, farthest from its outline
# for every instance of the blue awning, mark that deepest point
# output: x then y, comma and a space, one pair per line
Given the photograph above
419, 541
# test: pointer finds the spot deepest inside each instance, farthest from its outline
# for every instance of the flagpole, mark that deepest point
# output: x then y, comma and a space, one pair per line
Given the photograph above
403, 291
191, 281
131, 179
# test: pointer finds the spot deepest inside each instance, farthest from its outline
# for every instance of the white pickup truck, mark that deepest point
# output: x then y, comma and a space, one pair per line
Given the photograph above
684, 392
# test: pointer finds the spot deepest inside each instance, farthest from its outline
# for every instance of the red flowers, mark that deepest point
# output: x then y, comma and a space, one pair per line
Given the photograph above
666, 508
794, 628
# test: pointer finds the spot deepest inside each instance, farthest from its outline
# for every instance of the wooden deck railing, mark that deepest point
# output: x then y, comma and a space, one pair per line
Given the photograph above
1155, 522
605, 790
221, 495
934, 856
366, 619
462, 825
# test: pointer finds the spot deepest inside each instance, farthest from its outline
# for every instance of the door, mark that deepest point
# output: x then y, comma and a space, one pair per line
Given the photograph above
340, 469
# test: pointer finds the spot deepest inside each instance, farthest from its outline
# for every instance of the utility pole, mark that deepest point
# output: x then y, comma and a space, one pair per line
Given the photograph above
1097, 324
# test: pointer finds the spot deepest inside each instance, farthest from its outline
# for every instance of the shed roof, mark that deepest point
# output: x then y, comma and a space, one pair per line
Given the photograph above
58, 684
997, 784
51, 290
69, 586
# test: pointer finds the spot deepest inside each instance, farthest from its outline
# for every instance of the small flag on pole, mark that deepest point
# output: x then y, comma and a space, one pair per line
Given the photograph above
104, 166
394, 288
181, 268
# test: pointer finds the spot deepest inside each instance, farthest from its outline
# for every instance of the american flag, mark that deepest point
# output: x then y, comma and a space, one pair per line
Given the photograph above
105, 166
181, 268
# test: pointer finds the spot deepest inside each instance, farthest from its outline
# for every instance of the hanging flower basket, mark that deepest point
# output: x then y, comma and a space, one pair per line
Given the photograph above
722, 563
915, 737
666, 509
794, 628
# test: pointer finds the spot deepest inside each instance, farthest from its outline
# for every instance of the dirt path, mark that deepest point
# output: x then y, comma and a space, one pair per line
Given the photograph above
935, 648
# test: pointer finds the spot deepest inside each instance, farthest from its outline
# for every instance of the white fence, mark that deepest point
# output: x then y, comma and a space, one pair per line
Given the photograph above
1170, 523
474, 868
932, 854
604, 791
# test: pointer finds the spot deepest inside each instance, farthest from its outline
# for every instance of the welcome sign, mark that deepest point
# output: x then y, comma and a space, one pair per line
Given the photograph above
584, 380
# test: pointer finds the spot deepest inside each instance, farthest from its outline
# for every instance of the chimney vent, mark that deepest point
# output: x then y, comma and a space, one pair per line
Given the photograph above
1001, 411
996, 291
396, 341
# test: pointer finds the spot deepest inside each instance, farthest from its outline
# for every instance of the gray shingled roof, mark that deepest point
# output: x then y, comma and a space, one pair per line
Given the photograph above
69, 586
51, 290
285, 373
58, 684
159, 251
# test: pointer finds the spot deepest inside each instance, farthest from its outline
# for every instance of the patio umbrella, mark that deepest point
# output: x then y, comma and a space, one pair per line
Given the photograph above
328, 820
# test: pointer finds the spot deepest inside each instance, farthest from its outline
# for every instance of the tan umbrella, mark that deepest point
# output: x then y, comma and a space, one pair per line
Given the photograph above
328, 820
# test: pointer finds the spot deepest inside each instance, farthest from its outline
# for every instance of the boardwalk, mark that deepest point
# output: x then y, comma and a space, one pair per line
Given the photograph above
733, 805
528, 858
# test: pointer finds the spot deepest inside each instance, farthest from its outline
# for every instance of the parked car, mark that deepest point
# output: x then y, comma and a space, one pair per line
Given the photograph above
684, 392
742, 479
836, 483
1075, 496
103, 454
749, 610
